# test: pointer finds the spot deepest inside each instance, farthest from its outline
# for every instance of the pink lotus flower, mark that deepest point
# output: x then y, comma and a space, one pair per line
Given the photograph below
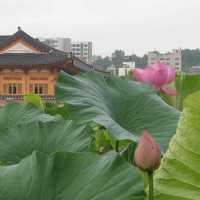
147, 153
159, 75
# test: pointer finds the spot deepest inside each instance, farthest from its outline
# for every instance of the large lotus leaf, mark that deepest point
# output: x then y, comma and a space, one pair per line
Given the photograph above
73, 176
179, 177
14, 114
20, 141
186, 84
123, 106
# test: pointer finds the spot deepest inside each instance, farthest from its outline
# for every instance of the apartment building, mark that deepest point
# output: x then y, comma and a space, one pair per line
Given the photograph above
82, 50
173, 58
62, 44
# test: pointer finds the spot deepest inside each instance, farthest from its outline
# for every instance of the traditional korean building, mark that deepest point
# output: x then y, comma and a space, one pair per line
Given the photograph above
29, 66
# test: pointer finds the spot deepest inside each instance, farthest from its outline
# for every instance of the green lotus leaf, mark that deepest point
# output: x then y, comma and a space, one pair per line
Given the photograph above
77, 176
49, 137
14, 114
178, 177
186, 84
125, 107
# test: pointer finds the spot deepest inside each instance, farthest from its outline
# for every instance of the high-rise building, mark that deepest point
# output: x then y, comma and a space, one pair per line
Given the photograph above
173, 58
62, 44
82, 50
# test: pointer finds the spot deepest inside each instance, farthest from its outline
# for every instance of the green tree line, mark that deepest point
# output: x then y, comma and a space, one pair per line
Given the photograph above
190, 57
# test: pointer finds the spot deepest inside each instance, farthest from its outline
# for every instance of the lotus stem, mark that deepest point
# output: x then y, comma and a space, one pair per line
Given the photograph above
117, 146
150, 179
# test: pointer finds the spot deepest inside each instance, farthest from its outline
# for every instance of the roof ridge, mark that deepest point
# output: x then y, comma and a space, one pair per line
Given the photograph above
29, 39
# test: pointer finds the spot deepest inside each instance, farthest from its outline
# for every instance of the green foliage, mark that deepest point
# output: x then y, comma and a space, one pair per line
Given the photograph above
104, 62
35, 100
129, 76
44, 147
118, 58
124, 107
101, 142
185, 85
47, 107
80, 176
36, 162
190, 57
140, 62
178, 177
15, 114
19, 139
57, 109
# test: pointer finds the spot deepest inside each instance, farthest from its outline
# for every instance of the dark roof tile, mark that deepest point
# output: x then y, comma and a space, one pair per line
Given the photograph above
27, 59
3, 38
48, 55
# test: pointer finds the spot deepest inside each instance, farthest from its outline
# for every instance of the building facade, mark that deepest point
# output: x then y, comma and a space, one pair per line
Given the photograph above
173, 58
62, 44
126, 69
82, 50
29, 66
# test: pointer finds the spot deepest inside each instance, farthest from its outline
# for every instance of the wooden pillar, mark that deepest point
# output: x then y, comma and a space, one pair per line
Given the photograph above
26, 82
1, 83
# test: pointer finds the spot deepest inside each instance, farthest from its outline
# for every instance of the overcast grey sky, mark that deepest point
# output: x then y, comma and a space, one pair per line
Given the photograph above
136, 26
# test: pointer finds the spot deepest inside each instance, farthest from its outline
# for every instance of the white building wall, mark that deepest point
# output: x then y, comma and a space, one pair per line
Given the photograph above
173, 58
82, 50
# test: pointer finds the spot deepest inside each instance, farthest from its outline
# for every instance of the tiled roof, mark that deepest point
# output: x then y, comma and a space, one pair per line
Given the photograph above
20, 34
3, 38
48, 56
27, 59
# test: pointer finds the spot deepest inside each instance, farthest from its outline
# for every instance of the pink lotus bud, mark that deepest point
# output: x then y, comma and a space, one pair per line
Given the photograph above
147, 153
159, 75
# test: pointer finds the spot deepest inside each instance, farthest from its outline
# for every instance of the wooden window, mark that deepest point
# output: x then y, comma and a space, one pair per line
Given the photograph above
41, 89
36, 89
12, 89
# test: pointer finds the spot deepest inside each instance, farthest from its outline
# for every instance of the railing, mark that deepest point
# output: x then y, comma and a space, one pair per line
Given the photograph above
21, 97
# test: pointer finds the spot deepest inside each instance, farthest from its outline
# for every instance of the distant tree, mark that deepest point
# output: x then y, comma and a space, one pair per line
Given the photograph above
102, 62
118, 58
190, 57
139, 61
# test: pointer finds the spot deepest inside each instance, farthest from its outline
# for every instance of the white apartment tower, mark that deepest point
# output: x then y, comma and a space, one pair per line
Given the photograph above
173, 58
82, 50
